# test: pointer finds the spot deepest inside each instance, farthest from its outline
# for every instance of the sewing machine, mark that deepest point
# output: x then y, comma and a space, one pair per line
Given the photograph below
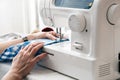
93, 52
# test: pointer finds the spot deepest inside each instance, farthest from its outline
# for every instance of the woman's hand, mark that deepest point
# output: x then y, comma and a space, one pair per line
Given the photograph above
24, 62
50, 35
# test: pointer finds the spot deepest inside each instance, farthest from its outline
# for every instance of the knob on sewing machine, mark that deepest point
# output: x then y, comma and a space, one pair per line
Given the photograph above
77, 22
113, 14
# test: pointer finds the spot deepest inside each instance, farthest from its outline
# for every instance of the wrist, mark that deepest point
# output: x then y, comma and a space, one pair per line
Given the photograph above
30, 37
25, 39
12, 76
17, 76
39, 35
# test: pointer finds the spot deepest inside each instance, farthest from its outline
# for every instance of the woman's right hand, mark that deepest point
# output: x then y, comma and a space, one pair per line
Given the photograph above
24, 62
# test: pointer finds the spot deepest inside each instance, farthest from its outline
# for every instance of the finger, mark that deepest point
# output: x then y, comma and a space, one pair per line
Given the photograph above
54, 33
35, 49
26, 47
31, 46
39, 57
51, 37
20, 54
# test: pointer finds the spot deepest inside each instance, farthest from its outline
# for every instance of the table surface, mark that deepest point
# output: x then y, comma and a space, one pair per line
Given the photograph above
38, 73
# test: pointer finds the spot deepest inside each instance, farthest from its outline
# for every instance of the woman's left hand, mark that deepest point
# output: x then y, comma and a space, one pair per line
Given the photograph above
51, 35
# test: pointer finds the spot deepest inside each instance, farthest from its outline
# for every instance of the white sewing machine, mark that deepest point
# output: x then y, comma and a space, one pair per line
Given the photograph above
93, 50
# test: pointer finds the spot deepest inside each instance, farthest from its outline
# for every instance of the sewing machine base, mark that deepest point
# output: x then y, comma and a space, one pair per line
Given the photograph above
80, 67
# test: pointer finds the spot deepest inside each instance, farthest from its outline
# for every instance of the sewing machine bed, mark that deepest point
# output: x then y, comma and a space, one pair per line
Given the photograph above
38, 73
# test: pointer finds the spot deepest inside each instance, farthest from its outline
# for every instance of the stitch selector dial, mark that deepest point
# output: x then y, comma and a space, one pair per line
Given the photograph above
77, 22
113, 14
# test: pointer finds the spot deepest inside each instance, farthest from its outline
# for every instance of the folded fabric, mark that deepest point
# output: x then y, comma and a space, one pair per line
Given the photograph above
12, 51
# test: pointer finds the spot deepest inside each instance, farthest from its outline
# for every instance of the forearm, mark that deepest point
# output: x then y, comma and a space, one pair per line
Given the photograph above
6, 44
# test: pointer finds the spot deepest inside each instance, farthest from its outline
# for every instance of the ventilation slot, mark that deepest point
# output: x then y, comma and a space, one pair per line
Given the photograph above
104, 70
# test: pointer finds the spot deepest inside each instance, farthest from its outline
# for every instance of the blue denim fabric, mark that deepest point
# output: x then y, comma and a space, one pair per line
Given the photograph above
12, 51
